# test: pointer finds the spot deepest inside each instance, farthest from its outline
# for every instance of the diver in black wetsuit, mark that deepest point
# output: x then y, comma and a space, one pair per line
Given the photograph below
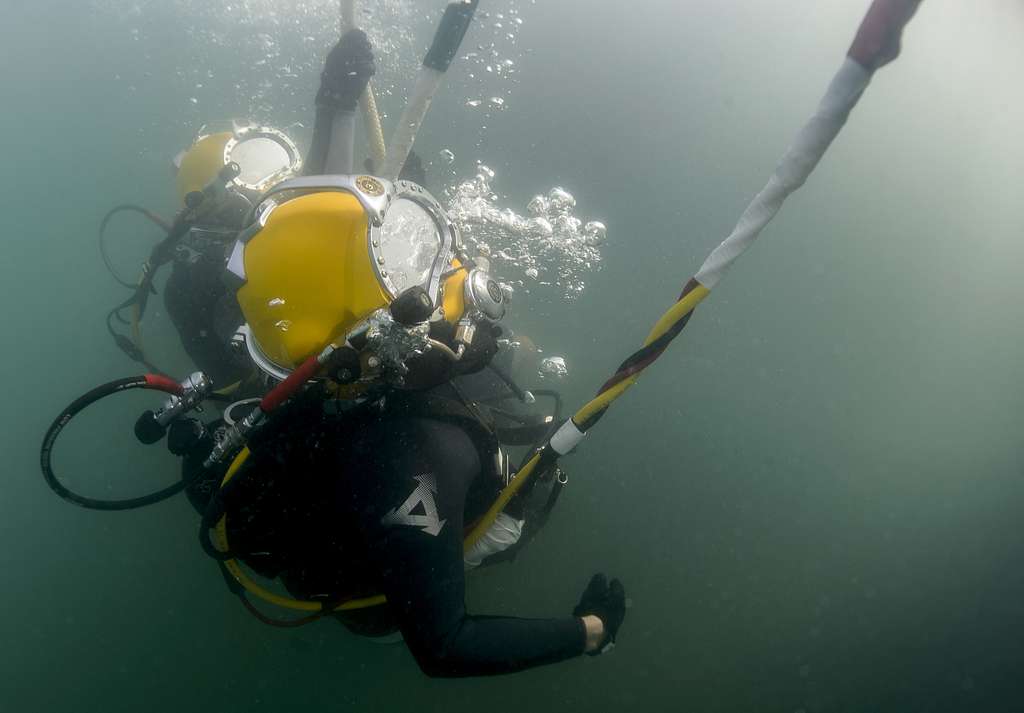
344, 501
201, 306
382, 498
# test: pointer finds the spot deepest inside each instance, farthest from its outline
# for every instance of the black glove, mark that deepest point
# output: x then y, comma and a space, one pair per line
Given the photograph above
347, 71
608, 603
482, 350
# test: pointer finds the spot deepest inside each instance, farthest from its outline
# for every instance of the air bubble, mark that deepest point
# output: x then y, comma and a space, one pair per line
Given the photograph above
538, 205
542, 226
553, 367
551, 247
595, 232
561, 199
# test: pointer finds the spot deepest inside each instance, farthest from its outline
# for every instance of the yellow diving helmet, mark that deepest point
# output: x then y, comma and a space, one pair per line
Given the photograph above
264, 156
326, 258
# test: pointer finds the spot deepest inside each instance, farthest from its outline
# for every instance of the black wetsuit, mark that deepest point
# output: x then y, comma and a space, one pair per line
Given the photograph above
382, 499
204, 311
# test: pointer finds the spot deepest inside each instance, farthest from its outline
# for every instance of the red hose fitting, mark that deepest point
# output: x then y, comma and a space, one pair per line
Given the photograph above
283, 391
162, 383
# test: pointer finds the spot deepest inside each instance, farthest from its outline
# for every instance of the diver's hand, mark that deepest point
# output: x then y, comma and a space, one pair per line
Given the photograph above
482, 349
607, 603
594, 628
347, 70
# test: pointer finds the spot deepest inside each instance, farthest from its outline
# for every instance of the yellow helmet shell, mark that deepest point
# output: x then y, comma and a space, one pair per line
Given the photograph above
265, 156
324, 253
201, 163
454, 293
309, 276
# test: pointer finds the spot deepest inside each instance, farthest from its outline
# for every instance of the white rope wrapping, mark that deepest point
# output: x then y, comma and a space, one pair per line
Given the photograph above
427, 82
792, 170
504, 533
567, 437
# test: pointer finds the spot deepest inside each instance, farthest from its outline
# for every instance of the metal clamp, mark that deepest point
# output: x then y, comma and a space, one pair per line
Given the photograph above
195, 389
234, 438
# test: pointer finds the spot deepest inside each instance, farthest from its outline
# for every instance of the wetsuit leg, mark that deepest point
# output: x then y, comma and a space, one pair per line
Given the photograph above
405, 482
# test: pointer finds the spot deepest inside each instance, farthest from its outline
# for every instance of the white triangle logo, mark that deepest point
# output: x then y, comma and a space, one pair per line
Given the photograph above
421, 500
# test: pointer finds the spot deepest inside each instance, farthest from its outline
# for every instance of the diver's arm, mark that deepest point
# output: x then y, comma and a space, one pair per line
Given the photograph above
420, 558
316, 159
341, 152
426, 589
347, 70
333, 146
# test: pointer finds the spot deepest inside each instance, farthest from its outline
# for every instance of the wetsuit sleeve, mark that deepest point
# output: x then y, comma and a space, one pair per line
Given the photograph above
413, 519
206, 317
317, 156
341, 155
333, 147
